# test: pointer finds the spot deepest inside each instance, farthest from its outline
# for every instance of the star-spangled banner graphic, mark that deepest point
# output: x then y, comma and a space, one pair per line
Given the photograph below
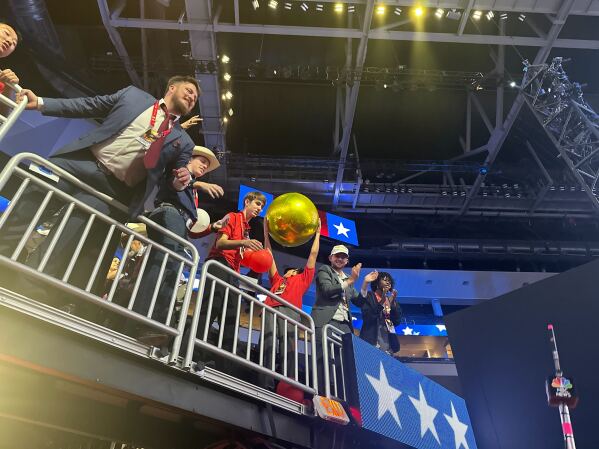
421, 330
400, 403
338, 228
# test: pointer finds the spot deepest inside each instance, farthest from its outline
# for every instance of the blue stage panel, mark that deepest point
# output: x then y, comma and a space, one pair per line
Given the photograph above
400, 403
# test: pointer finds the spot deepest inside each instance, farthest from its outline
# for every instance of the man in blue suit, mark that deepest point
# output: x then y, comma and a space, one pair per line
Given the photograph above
139, 140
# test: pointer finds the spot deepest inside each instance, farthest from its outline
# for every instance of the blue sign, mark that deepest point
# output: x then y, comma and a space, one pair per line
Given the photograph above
402, 404
244, 190
339, 228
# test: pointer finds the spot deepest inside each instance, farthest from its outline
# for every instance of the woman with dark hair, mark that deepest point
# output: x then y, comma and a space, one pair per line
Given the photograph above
380, 312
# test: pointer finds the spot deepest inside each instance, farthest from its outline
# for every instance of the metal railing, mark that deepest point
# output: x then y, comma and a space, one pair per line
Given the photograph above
332, 356
173, 325
15, 110
229, 300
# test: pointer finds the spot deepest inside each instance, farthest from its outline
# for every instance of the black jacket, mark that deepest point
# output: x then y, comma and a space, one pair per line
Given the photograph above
372, 318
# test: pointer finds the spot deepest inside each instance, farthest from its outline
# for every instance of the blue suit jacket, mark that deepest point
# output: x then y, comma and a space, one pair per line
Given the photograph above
118, 110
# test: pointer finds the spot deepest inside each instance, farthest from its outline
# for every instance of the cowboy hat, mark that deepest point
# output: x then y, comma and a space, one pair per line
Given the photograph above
203, 151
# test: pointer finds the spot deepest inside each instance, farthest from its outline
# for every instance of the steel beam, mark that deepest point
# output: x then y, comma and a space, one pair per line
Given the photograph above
354, 33
465, 17
350, 107
499, 135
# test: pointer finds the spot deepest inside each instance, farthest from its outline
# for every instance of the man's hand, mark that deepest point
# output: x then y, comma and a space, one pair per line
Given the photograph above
217, 225
191, 122
214, 190
371, 276
8, 76
355, 272
182, 178
254, 245
31, 98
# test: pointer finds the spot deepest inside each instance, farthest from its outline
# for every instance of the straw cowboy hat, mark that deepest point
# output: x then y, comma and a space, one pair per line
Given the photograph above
203, 151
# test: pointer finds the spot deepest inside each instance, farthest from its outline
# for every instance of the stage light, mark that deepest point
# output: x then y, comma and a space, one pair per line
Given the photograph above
380, 10
288, 6
272, 4
476, 15
319, 7
503, 16
418, 11
227, 77
440, 12
454, 14
397, 11
490, 15
255, 4
385, 86
230, 112
225, 119
513, 84
338, 7
225, 59
351, 8
304, 7
228, 95
223, 97
521, 17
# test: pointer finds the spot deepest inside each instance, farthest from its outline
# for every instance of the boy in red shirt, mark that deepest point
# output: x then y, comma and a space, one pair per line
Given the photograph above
291, 287
232, 240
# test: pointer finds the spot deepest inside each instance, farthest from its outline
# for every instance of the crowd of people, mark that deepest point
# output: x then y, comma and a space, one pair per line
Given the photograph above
141, 144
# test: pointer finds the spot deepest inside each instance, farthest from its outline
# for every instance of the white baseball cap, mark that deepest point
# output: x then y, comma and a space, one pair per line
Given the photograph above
340, 249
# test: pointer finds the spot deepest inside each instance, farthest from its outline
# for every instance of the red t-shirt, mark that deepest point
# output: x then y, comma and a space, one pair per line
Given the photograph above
291, 289
237, 229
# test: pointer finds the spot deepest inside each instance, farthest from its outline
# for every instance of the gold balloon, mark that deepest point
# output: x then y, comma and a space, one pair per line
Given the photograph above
292, 219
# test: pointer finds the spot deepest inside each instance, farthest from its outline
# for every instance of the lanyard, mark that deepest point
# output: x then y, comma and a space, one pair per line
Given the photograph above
167, 131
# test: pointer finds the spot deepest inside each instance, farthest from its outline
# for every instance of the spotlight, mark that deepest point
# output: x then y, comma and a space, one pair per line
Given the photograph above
319, 7
338, 7
351, 8
225, 119
272, 4
255, 4
503, 16
440, 12
454, 14
483, 170
418, 11
228, 95
397, 11
223, 97
380, 10
385, 86
227, 77
490, 15
288, 6
225, 59
230, 112
476, 15
513, 84
521, 17
304, 7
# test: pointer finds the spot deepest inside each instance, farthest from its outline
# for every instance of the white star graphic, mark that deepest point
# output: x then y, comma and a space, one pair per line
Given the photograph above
427, 415
408, 331
386, 393
441, 327
459, 429
341, 230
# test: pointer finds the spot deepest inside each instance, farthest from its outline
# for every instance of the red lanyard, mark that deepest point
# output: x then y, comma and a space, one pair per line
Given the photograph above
167, 131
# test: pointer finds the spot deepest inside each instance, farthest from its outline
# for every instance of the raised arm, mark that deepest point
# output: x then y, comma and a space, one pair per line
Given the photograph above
311, 263
273, 267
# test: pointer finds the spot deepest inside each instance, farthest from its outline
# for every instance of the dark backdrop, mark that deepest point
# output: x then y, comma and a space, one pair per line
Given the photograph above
503, 356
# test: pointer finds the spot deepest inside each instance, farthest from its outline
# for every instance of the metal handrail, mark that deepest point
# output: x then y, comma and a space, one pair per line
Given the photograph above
16, 109
52, 191
328, 359
311, 379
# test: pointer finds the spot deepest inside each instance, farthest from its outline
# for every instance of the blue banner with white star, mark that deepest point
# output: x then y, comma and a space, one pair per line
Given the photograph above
400, 403
338, 228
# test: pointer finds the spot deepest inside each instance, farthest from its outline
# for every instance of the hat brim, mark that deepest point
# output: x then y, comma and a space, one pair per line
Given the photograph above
205, 152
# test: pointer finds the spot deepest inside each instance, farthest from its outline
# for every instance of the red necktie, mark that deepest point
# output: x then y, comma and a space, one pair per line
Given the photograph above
153, 153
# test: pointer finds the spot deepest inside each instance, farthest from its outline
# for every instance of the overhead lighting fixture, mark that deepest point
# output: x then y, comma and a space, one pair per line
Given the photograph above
227, 77
272, 4
418, 11
380, 10
513, 84
288, 6
476, 15
230, 112
503, 16
319, 7
223, 97
228, 95
338, 8
454, 14
397, 11
440, 12
490, 15
225, 59
521, 17
255, 4
351, 8
225, 119
304, 7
